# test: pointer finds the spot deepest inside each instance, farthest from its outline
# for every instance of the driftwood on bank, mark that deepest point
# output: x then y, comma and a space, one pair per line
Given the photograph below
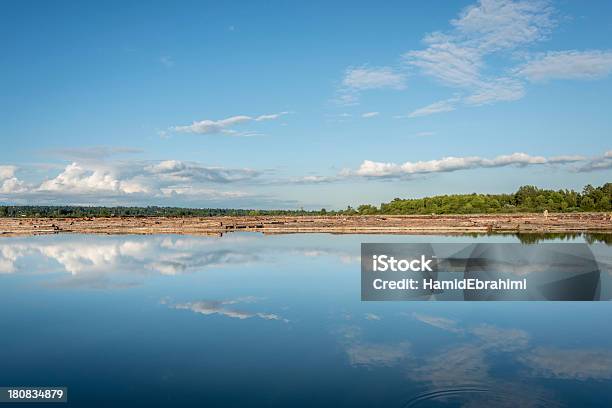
385, 224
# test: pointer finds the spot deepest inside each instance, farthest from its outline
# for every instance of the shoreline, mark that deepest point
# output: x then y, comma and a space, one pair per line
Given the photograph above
356, 224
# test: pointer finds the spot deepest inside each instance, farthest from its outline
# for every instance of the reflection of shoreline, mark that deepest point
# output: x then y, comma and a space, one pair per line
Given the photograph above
375, 224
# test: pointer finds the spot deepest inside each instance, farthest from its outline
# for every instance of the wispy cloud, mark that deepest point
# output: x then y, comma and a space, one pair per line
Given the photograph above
370, 114
436, 107
457, 58
365, 78
425, 134
476, 56
572, 64
166, 61
598, 163
224, 126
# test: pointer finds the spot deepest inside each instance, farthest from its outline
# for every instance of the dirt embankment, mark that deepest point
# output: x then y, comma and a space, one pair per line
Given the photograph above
390, 224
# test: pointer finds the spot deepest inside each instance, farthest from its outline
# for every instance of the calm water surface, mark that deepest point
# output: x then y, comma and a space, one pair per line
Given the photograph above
252, 320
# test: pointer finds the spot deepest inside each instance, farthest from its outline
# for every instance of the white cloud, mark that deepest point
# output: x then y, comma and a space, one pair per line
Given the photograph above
365, 78
372, 316
597, 163
223, 126
370, 114
436, 107
177, 170
449, 164
572, 64
566, 159
270, 116
9, 184
136, 182
7, 172
12, 186
497, 90
489, 30
77, 178
492, 25
449, 63
457, 58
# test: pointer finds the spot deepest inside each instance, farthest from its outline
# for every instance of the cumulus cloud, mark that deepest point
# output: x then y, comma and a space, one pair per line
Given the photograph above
7, 172
9, 184
131, 181
572, 64
77, 178
224, 126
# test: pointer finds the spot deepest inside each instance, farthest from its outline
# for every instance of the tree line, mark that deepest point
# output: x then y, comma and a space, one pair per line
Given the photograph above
525, 199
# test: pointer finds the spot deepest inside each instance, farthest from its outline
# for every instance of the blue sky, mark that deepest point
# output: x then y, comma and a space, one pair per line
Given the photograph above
301, 104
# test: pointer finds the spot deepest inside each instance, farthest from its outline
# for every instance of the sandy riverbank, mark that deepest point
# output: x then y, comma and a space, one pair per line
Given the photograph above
421, 224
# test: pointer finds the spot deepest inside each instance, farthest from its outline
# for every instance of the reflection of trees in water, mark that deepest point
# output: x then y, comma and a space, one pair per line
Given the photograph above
589, 237
537, 237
